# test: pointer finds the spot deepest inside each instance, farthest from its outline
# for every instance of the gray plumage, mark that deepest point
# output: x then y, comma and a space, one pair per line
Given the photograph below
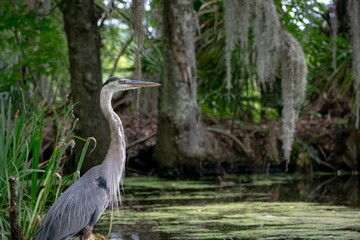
67, 213
77, 210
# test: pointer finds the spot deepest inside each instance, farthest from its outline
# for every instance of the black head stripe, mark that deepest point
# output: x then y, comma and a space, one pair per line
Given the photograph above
112, 79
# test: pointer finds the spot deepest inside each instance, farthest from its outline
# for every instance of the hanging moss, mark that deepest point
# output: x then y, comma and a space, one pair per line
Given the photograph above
267, 41
334, 27
273, 43
236, 17
230, 7
353, 9
137, 22
293, 83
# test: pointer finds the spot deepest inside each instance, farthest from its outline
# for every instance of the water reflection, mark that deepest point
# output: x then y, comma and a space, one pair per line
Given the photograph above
142, 229
336, 190
235, 207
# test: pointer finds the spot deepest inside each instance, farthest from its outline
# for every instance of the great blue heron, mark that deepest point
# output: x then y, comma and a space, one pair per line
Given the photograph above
77, 210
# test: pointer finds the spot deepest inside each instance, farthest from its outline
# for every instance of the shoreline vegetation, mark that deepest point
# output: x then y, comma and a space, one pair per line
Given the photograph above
39, 181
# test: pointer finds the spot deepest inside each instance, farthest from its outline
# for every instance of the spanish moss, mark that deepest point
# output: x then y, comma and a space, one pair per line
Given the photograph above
230, 7
293, 78
334, 27
236, 17
274, 44
137, 22
266, 36
242, 20
353, 9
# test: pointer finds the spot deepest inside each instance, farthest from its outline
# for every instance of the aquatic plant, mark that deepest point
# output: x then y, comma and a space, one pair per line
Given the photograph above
40, 183
169, 209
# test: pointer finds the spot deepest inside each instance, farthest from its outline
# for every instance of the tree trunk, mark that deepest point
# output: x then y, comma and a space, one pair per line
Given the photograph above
182, 144
80, 18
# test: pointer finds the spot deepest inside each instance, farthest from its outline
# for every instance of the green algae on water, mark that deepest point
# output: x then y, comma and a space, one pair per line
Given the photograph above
258, 220
165, 209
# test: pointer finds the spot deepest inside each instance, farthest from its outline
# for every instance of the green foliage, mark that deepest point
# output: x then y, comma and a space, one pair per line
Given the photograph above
32, 46
115, 32
40, 183
309, 22
245, 100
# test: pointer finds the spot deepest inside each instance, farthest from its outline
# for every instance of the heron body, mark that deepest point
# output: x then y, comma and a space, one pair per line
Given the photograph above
77, 210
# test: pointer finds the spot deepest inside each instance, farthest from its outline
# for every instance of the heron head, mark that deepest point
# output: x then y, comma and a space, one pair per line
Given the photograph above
122, 84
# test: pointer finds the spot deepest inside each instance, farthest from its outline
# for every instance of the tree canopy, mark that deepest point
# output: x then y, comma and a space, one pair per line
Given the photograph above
260, 66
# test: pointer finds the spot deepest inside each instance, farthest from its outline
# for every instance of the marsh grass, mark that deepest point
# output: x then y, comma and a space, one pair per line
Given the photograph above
40, 183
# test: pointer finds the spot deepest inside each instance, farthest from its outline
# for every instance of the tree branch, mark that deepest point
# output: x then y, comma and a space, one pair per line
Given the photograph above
122, 51
140, 141
235, 139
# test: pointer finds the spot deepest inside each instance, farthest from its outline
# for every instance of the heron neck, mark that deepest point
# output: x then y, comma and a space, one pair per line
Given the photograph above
115, 158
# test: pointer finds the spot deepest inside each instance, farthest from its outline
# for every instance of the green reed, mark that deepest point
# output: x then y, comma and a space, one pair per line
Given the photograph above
40, 183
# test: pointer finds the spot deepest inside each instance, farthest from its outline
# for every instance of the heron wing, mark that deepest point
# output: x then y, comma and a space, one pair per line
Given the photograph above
79, 206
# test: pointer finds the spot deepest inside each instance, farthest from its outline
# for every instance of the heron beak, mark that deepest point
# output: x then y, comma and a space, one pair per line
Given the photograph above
141, 84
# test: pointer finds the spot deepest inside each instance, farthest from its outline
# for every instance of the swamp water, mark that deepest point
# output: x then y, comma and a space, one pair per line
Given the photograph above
247, 207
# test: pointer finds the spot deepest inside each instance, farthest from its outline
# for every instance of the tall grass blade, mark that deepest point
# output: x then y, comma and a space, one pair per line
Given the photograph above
40, 183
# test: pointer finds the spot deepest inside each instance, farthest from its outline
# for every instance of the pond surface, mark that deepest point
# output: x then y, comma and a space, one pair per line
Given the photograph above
278, 206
